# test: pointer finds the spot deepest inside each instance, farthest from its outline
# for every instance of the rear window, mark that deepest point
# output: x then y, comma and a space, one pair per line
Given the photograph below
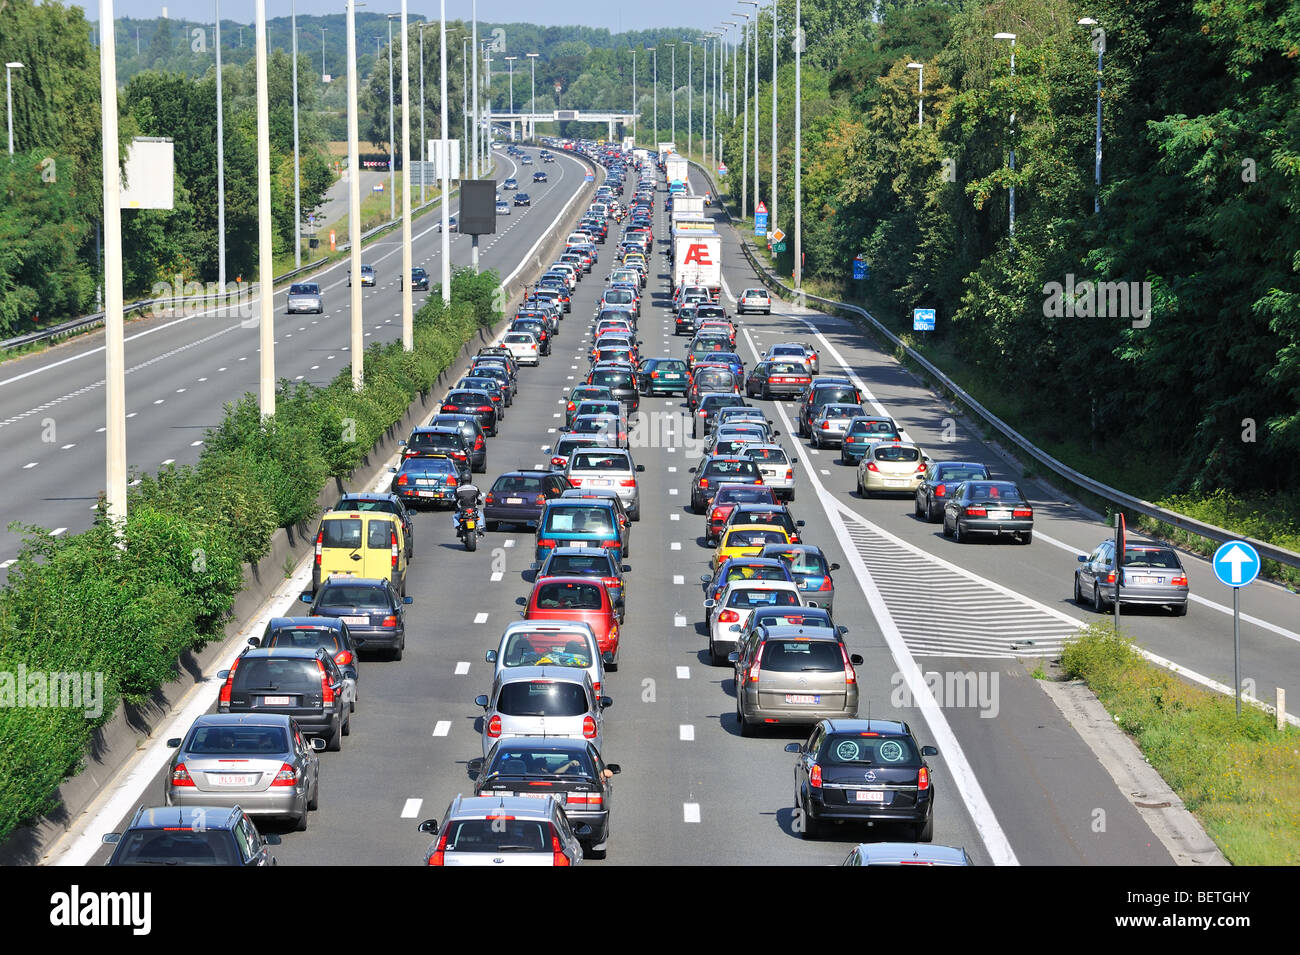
762, 598
542, 699
436, 442
519, 337
1150, 557
674, 365
840, 411
612, 379
498, 835
710, 344
786, 368
260, 673
734, 468
834, 394
578, 565
732, 445
795, 656
770, 455
876, 427
748, 494
306, 289
565, 446
715, 380
342, 596
856, 749
897, 452
991, 491
543, 762
570, 596
799, 618
599, 461
177, 847
754, 538
344, 532
711, 311
761, 572
960, 474
428, 466
238, 739
546, 649
713, 402
308, 638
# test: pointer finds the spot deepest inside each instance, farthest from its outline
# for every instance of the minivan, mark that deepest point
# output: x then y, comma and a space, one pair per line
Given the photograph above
360, 544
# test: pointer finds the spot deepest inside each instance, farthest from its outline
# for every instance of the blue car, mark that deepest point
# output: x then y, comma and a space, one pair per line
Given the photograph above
427, 481
580, 522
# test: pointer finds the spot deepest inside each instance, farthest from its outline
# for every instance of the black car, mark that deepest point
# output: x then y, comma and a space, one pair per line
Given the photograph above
589, 562
706, 411
523, 199
538, 326
941, 478
429, 441
475, 437
863, 771
372, 609
572, 768
191, 835
716, 470
622, 385
476, 403
419, 280
824, 391
384, 503
988, 507
329, 633
305, 684
539, 176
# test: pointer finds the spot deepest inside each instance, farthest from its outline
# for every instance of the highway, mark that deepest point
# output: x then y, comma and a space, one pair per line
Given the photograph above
182, 370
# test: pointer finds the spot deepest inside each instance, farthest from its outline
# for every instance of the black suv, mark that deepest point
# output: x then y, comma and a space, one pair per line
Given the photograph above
304, 684
374, 612
621, 383
191, 835
329, 633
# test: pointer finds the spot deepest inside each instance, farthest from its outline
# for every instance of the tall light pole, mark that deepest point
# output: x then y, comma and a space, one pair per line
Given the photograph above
357, 345
221, 164
798, 146
266, 255
744, 150
532, 95
734, 51
920, 91
424, 143
634, 111
511, 61
408, 307
446, 159
719, 89
465, 159
690, 95
1011, 195
322, 54
392, 158
672, 94
297, 172
772, 220
1099, 43
704, 101
745, 164
654, 51
9, 99
474, 43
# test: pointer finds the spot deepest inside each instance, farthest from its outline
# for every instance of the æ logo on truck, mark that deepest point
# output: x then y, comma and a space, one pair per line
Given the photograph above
698, 254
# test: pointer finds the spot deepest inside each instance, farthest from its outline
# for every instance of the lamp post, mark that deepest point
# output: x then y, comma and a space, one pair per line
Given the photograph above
690, 95
511, 61
265, 254
408, 307
733, 23
754, 4
297, 175
704, 101
672, 93
446, 159
392, 158
464, 107
322, 54
920, 91
532, 101
744, 150
1011, 195
1099, 43
114, 346
474, 43
221, 165
798, 146
424, 143
772, 220
357, 343
654, 51
634, 113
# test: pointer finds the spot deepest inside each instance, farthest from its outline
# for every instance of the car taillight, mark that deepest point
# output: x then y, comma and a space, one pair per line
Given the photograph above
923, 779
478, 443
1023, 512
544, 542
576, 482
1179, 581
849, 439
654, 374
815, 777
585, 799
224, 696
827, 584
728, 616
557, 854
850, 674
181, 776
920, 468
589, 727
826, 425
389, 622
613, 543
871, 466
326, 691
450, 409
287, 776
756, 665
555, 462
401, 480
611, 581
489, 499
1110, 578
627, 482
704, 482
393, 546
789, 474
485, 408
320, 541
343, 658
494, 727
436, 858
940, 490
976, 512
718, 515
452, 482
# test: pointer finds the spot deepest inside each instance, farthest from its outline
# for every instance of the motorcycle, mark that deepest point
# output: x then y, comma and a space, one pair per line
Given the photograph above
469, 522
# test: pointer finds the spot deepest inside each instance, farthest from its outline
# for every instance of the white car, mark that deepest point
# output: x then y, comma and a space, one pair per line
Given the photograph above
754, 300
607, 469
776, 466
729, 614
560, 643
522, 347
503, 207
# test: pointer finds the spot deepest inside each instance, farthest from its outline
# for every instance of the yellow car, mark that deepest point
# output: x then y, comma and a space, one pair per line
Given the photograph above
360, 544
747, 540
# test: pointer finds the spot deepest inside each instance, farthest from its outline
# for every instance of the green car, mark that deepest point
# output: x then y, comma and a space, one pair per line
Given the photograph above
663, 376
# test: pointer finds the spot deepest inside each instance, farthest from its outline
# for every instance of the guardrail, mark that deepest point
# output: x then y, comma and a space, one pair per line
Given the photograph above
1110, 494
95, 319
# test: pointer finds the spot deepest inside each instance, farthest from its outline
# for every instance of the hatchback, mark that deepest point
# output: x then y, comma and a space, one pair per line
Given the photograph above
500, 831
942, 477
518, 497
893, 467
581, 599
557, 643
540, 703
862, 432
1151, 574
305, 297
304, 684
191, 835
794, 675
730, 612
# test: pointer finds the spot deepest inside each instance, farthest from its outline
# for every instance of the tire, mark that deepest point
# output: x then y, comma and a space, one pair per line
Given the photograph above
946, 532
716, 659
746, 728
471, 541
930, 514
335, 742
957, 534
812, 828
1097, 604
396, 655
925, 831
1078, 594
1181, 609
1027, 537
347, 726
916, 507
300, 824
314, 802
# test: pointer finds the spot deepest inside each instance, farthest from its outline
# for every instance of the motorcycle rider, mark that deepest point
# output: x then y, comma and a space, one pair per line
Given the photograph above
468, 499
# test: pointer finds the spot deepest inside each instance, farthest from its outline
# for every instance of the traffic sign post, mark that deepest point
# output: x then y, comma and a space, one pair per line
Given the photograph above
859, 267
922, 319
1236, 564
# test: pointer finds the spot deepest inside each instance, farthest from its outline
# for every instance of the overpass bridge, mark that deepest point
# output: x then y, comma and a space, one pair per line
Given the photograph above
529, 121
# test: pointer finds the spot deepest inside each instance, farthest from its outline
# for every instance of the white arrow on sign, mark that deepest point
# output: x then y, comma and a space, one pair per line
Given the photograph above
1236, 557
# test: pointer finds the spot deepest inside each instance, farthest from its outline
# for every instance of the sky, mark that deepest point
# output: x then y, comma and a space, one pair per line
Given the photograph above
614, 15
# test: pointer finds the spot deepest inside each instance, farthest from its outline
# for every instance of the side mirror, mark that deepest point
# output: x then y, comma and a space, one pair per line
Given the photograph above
626, 568
547, 450
794, 747
223, 674
408, 600
521, 601
271, 839
392, 470
481, 700
856, 659
692, 471
112, 838
1083, 558
614, 768
776, 434
929, 751
305, 598
254, 641
835, 566
733, 656
798, 523
401, 444
710, 604
174, 742
475, 765
640, 468
490, 656
318, 744
429, 826
606, 702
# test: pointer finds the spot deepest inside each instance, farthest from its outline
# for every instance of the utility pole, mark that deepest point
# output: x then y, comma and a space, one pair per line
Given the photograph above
297, 175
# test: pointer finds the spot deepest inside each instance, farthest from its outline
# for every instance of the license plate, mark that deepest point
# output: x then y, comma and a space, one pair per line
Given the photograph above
275, 701
1148, 580
869, 795
229, 779
895, 482
470, 524
427, 493
802, 698
600, 482
514, 500
355, 621
673, 377
533, 795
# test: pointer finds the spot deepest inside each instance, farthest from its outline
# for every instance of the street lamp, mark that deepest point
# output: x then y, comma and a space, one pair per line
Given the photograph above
634, 112
424, 143
654, 51
732, 23
511, 61
474, 43
445, 157
1011, 200
297, 174
392, 158
771, 218
920, 90
532, 101
754, 4
1099, 42
672, 93
798, 145
322, 54
744, 151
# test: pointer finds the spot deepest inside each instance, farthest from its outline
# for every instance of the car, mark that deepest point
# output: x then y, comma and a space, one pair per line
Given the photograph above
754, 300
830, 422
994, 508
795, 616
367, 276
496, 831
259, 763
582, 392
609, 431
510, 183
474, 434
1151, 574
430, 442
495, 388
788, 674
330, 633
360, 544
892, 467
725, 498
706, 409
941, 477
711, 379
571, 771
588, 521
374, 611
191, 835
503, 207
523, 347
718, 470
795, 351
773, 515
525, 160
662, 376
427, 479
823, 391
539, 176
492, 368
811, 570
577, 598
305, 684
476, 403
563, 448
589, 562
518, 497
775, 466
768, 379
419, 280
539, 328
386, 503
730, 611
905, 853
523, 199
562, 643
863, 431
746, 540
851, 770
621, 383
611, 468
304, 297
542, 702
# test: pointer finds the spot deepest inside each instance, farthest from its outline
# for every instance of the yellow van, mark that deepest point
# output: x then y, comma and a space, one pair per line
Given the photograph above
360, 544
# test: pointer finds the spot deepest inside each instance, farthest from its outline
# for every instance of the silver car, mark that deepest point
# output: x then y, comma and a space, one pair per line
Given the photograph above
550, 643
607, 469
1151, 574
259, 762
729, 614
831, 423
754, 300
776, 466
305, 297
905, 853
543, 702
794, 675
504, 830
808, 356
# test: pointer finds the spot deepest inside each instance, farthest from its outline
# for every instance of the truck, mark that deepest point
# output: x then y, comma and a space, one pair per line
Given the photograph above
697, 260
688, 205
675, 171
628, 143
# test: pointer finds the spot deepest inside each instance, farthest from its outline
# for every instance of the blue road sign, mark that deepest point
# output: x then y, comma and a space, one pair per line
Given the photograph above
1236, 563
859, 267
589, 178
760, 223
922, 319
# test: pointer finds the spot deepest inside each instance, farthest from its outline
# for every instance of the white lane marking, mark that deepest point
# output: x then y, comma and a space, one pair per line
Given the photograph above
8, 563
100, 430
683, 673
221, 369
672, 490
678, 579
497, 576
411, 808
180, 391
66, 446
510, 542
480, 618
675, 545
195, 444
555, 415
57, 531
133, 414
32, 465
462, 668
170, 461
826, 472
686, 732
672, 470
672, 450
679, 621
160, 401
203, 379
674, 517
442, 728
690, 812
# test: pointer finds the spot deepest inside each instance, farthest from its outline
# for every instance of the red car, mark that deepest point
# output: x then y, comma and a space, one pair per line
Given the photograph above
728, 496
577, 598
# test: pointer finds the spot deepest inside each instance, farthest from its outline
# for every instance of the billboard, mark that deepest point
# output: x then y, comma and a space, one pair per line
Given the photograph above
478, 206
438, 152
148, 180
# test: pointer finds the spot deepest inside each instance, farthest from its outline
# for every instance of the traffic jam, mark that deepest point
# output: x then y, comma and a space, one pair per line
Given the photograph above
540, 782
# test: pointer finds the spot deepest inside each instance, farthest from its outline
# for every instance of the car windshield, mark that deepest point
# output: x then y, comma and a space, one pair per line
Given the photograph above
762, 598
1150, 557
797, 656
546, 649
788, 350
342, 596
993, 491
425, 466
519, 337
537, 761
501, 834
594, 520
596, 424
211, 740
897, 452
177, 847
860, 749
542, 698
568, 595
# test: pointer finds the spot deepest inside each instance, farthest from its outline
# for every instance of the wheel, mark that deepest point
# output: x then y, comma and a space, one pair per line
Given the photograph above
347, 726
300, 824
492, 526
845, 460
814, 442
1078, 594
746, 728
334, 744
635, 515
1097, 605
471, 541
716, 658
931, 514
957, 534
925, 831
314, 802
1026, 538
946, 532
1180, 610
812, 828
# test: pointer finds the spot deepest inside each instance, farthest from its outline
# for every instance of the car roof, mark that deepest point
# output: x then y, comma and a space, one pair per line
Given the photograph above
479, 807
549, 742
320, 623
910, 853
881, 727
196, 818
242, 719
289, 653
345, 514
553, 674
